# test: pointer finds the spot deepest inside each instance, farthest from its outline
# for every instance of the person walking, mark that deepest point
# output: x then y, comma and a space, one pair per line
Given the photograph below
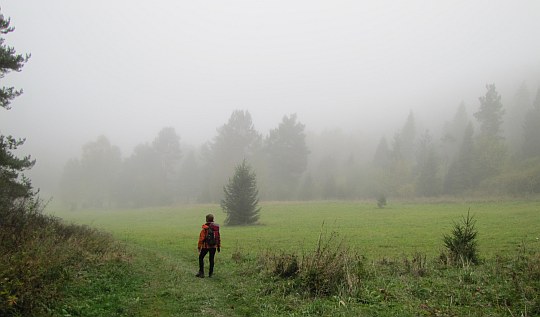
209, 242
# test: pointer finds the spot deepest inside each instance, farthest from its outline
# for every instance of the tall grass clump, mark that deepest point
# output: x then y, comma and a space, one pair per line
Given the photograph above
330, 269
40, 256
518, 281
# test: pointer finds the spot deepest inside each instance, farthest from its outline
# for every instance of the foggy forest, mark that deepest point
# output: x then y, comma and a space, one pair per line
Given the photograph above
491, 149
324, 101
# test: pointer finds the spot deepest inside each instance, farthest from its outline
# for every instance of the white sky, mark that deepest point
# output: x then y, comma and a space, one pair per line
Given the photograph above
126, 69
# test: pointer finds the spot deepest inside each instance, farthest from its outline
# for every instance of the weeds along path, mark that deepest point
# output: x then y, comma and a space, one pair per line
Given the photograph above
171, 288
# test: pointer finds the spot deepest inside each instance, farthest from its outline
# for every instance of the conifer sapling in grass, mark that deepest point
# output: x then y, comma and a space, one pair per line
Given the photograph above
461, 244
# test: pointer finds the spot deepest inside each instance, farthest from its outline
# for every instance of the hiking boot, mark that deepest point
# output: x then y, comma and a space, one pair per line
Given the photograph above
200, 274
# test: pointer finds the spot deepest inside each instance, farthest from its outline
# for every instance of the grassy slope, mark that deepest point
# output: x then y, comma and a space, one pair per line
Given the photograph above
164, 242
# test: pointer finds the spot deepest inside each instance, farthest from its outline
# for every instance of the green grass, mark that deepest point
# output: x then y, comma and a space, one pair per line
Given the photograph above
399, 228
162, 242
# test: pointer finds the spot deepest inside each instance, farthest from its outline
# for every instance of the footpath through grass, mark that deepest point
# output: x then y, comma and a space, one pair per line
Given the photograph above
399, 273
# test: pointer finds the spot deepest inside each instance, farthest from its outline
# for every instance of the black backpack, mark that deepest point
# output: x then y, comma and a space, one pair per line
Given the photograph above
210, 238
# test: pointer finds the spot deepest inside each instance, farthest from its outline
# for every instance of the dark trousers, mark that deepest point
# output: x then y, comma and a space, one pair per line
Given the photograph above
202, 254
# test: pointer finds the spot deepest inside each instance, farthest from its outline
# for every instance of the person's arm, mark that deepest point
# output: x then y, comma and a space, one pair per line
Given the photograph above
201, 240
218, 241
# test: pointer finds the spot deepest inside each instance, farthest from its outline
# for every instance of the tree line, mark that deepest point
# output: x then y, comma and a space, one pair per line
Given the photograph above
494, 150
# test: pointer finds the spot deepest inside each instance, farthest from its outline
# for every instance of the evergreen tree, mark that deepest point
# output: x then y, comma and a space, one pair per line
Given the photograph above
404, 141
166, 146
13, 184
460, 173
453, 134
150, 176
490, 114
287, 155
427, 169
236, 140
531, 130
241, 197
515, 114
490, 147
141, 179
400, 173
9, 61
91, 180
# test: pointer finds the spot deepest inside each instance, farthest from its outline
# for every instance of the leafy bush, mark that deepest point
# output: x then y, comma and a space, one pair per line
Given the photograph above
462, 244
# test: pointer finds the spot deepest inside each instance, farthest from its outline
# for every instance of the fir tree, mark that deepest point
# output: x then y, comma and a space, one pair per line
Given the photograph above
490, 147
13, 185
241, 197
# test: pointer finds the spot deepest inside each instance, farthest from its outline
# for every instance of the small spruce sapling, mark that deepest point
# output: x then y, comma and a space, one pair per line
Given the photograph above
462, 244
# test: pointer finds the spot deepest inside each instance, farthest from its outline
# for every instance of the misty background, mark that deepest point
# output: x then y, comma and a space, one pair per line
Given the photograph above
216, 82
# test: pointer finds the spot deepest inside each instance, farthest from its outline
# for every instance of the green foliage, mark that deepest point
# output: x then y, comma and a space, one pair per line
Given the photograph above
284, 265
490, 149
462, 243
240, 201
9, 61
40, 257
417, 284
330, 269
490, 113
13, 185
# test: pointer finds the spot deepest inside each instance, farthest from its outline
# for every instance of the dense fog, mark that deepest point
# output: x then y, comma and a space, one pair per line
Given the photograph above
143, 104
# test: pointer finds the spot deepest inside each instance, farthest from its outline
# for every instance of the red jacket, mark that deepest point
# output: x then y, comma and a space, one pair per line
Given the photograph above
202, 244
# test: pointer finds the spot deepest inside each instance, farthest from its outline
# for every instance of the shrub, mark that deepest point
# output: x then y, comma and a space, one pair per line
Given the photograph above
331, 269
285, 265
462, 244
416, 266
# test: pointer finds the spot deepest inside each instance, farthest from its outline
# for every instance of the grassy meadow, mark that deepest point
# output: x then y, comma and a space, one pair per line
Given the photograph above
398, 274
